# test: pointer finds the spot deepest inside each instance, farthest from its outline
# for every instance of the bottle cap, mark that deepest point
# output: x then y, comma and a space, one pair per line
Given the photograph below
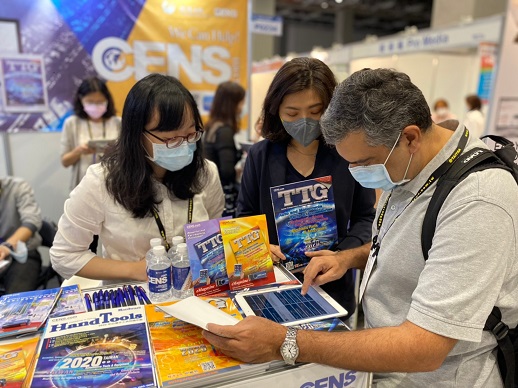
154, 242
182, 247
177, 240
159, 250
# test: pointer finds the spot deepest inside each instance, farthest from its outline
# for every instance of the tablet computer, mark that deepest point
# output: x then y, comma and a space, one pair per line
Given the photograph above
287, 306
100, 144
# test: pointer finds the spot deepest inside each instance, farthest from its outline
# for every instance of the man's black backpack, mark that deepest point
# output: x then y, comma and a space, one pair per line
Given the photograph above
504, 156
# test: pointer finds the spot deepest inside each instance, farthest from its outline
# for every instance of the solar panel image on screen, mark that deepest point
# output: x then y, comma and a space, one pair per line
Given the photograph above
289, 305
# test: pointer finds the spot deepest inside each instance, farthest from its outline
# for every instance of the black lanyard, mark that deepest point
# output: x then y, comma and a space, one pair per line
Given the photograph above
434, 177
161, 226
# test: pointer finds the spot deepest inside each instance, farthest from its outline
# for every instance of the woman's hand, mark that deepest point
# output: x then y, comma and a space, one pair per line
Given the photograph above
277, 255
139, 272
83, 149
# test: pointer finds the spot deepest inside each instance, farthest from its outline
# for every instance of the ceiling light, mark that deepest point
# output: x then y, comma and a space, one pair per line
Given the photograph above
324, 5
339, 1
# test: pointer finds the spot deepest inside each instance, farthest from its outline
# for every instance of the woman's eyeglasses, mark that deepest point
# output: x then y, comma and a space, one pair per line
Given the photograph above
177, 141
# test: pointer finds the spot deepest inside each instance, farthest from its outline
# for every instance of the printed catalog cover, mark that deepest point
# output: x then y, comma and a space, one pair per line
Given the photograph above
100, 349
183, 357
207, 257
247, 252
70, 302
15, 360
305, 219
26, 312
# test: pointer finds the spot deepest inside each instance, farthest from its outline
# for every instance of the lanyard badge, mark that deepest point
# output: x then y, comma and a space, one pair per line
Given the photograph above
371, 263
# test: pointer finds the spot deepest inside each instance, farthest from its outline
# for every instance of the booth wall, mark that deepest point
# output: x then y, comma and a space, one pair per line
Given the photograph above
35, 156
260, 82
3, 158
438, 75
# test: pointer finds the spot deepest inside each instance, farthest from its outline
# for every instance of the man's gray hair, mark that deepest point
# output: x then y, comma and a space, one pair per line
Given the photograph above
379, 102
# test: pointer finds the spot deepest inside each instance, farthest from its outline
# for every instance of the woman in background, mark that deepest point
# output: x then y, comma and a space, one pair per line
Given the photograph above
294, 151
150, 183
475, 120
441, 111
219, 144
94, 119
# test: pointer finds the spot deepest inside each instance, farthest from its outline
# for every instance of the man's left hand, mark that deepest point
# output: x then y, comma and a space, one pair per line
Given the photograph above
253, 340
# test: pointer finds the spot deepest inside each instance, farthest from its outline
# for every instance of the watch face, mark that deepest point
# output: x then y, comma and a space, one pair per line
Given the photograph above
289, 351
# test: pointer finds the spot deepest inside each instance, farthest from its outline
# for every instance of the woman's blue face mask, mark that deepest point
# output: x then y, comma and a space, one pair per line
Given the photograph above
376, 176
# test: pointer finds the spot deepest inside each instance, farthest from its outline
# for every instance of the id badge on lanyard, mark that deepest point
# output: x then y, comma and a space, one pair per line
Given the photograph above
371, 263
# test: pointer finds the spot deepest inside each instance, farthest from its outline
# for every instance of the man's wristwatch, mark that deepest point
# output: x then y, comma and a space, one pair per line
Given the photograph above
289, 348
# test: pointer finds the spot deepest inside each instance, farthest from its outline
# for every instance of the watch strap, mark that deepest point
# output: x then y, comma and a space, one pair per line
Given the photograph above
290, 341
291, 334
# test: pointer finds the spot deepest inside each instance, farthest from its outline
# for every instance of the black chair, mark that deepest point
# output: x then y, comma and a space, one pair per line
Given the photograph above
47, 232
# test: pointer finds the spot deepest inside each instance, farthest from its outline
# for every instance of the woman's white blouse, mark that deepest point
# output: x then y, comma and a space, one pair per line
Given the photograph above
90, 211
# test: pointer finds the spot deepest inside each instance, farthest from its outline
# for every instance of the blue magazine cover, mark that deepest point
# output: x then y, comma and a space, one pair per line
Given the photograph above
24, 86
105, 348
305, 219
207, 257
26, 312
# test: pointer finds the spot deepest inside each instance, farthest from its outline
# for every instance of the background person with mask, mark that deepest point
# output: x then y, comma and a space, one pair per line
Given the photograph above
149, 184
441, 111
294, 151
218, 141
94, 119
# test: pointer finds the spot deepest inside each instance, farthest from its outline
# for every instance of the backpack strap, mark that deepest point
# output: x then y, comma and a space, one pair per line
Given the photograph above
506, 356
476, 159
506, 151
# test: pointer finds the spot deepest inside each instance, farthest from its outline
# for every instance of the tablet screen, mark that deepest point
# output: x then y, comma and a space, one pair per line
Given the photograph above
289, 305
100, 144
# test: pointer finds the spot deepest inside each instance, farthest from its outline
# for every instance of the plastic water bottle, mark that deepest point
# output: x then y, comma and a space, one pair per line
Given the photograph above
159, 275
154, 242
182, 279
174, 245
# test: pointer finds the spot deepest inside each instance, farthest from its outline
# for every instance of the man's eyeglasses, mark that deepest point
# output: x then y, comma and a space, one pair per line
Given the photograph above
177, 141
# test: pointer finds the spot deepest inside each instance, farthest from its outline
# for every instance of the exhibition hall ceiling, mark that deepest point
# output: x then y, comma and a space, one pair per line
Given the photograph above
376, 17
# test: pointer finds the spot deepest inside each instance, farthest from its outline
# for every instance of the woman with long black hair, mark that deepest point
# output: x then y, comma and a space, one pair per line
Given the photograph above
151, 182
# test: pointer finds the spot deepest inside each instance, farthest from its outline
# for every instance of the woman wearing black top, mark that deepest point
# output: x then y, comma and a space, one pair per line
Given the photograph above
295, 151
219, 143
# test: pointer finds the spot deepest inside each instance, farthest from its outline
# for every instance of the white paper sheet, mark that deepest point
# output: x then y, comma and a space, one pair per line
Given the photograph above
198, 312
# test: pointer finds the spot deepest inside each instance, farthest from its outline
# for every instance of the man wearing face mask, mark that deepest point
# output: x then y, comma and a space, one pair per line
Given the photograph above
424, 319
152, 182
293, 151
94, 119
